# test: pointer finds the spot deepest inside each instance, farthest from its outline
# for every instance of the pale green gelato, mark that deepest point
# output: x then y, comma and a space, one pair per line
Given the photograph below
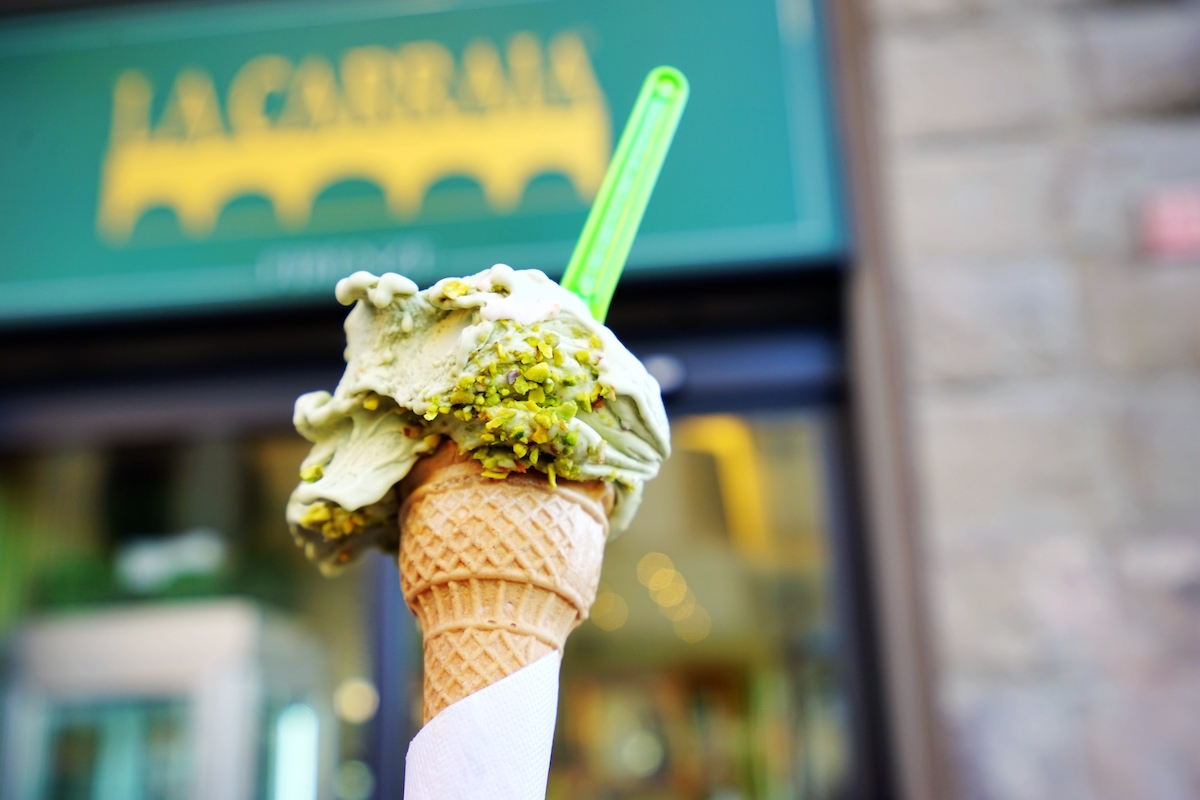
507, 363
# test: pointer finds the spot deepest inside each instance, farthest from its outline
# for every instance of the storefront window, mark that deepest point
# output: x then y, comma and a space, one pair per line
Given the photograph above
117, 749
167, 639
714, 664
709, 667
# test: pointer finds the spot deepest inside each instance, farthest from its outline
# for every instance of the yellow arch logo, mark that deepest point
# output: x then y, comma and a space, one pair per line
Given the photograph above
402, 119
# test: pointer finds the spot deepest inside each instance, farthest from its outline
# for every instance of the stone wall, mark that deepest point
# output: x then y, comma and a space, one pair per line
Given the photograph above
1055, 379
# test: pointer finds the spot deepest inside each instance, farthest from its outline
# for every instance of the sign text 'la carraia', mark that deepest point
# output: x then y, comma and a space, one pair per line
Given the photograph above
402, 119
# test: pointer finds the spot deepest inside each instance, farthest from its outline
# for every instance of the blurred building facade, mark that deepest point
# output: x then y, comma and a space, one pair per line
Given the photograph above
1038, 164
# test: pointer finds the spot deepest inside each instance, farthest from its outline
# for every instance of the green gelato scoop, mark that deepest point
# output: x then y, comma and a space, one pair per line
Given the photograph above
508, 364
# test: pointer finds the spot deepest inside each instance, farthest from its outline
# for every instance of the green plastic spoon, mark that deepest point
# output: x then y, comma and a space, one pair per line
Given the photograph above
595, 266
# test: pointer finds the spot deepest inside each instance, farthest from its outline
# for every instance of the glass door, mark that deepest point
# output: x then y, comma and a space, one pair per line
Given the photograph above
114, 750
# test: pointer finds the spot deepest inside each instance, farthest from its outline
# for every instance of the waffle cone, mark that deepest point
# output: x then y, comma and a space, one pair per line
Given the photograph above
498, 573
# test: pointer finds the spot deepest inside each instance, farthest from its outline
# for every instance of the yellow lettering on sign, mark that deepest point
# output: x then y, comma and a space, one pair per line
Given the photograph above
402, 119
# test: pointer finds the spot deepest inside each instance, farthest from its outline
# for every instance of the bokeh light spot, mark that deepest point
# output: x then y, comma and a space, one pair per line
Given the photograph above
609, 611
695, 627
354, 781
642, 754
650, 564
355, 700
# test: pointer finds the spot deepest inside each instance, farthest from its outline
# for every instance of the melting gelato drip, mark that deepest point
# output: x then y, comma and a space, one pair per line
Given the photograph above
507, 363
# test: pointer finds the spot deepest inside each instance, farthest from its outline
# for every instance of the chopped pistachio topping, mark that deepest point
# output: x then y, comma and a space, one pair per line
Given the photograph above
333, 521
313, 473
507, 364
519, 396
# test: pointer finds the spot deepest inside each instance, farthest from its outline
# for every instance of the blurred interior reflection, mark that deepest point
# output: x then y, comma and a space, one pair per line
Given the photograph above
174, 641
710, 668
176, 644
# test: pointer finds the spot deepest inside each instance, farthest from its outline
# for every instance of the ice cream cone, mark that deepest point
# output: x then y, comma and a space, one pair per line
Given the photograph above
498, 573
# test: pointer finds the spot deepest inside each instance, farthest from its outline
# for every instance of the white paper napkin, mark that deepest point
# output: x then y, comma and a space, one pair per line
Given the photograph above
491, 745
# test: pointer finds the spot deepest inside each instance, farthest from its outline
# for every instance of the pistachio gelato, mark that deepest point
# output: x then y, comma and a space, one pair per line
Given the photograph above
506, 363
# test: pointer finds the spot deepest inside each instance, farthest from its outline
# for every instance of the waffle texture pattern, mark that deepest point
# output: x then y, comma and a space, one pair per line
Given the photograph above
498, 573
